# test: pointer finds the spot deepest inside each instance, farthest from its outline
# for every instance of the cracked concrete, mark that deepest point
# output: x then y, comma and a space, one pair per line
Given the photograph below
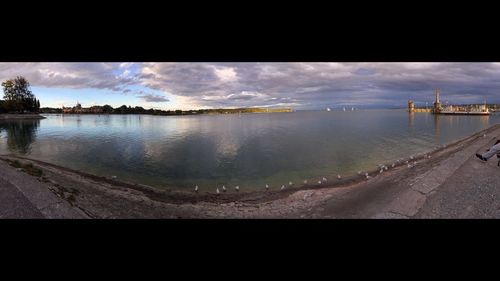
32, 195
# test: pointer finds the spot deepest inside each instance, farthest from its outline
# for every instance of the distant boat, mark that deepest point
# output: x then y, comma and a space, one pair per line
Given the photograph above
352, 109
328, 109
344, 108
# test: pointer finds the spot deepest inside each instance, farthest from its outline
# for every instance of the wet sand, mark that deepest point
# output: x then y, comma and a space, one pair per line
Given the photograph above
399, 192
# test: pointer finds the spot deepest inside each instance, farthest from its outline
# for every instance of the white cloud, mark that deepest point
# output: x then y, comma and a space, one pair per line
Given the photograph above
226, 74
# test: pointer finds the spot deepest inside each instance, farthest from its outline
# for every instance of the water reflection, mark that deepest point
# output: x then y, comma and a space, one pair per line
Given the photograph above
251, 150
20, 134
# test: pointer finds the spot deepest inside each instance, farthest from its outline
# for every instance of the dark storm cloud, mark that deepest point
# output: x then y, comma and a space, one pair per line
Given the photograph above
153, 98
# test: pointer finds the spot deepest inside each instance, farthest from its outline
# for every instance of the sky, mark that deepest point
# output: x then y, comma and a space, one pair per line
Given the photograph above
302, 86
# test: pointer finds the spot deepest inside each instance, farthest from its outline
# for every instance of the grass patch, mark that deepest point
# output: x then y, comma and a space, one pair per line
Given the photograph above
27, 168
65, 193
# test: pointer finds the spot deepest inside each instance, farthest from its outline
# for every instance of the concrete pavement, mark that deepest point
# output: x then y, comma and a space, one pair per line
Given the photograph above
22, 196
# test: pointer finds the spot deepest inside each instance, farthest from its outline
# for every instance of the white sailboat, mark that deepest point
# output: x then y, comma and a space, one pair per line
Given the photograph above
328, 109
344, 108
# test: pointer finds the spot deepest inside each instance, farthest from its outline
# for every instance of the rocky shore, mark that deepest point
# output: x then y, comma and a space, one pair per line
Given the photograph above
7, 117
445, 182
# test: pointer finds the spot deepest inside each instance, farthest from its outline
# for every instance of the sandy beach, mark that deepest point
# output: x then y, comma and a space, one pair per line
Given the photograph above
451, 183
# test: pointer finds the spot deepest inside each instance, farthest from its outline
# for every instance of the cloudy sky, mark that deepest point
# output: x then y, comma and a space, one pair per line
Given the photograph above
298, 85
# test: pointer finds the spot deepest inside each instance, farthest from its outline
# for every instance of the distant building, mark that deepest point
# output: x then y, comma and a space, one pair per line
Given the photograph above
411, 106
79, 109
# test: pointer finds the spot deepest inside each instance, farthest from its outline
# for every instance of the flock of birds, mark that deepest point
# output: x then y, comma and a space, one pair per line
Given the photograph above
409, 163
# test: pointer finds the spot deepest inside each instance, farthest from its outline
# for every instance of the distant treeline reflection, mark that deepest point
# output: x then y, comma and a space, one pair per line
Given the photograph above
107, 109
20, 134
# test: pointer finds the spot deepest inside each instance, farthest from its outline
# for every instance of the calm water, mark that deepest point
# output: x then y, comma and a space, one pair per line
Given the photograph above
248, 150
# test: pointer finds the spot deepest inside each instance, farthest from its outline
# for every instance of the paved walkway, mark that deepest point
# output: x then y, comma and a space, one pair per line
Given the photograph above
13, 203
22, 196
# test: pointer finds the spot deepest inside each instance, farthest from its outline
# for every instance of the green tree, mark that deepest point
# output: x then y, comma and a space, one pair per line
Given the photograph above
18, 96
107, 108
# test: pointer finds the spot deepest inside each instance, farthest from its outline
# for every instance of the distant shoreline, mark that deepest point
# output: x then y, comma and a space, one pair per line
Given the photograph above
30, 116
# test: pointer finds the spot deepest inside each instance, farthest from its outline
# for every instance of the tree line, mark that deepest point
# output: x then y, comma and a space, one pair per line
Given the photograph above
18, 97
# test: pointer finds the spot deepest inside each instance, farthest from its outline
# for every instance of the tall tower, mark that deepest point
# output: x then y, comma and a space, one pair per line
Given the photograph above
411, 106
437, 103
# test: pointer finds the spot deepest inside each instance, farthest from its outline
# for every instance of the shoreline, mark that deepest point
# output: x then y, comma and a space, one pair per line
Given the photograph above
21, 116
273, 203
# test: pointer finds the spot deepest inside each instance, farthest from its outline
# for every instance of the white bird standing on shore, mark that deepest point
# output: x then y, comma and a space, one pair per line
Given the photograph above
411, 157
305, 181
217, 190
237, 188
282, 187
224, 188
196, 189
290, 183
339, 177
359, 172
319, 182
385, 167
267, 187
393, 164
366, 174
324, 179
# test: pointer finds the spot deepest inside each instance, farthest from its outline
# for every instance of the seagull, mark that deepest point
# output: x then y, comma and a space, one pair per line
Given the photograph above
339, 177
385, 167
324, 179
393, 165
359, 172
290, 183
366, 174
224, 188
196, 189
282, 187
237, 188
406, 161
381, 170
267, 187
305, 181
411, 157
217, 190
319, 182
